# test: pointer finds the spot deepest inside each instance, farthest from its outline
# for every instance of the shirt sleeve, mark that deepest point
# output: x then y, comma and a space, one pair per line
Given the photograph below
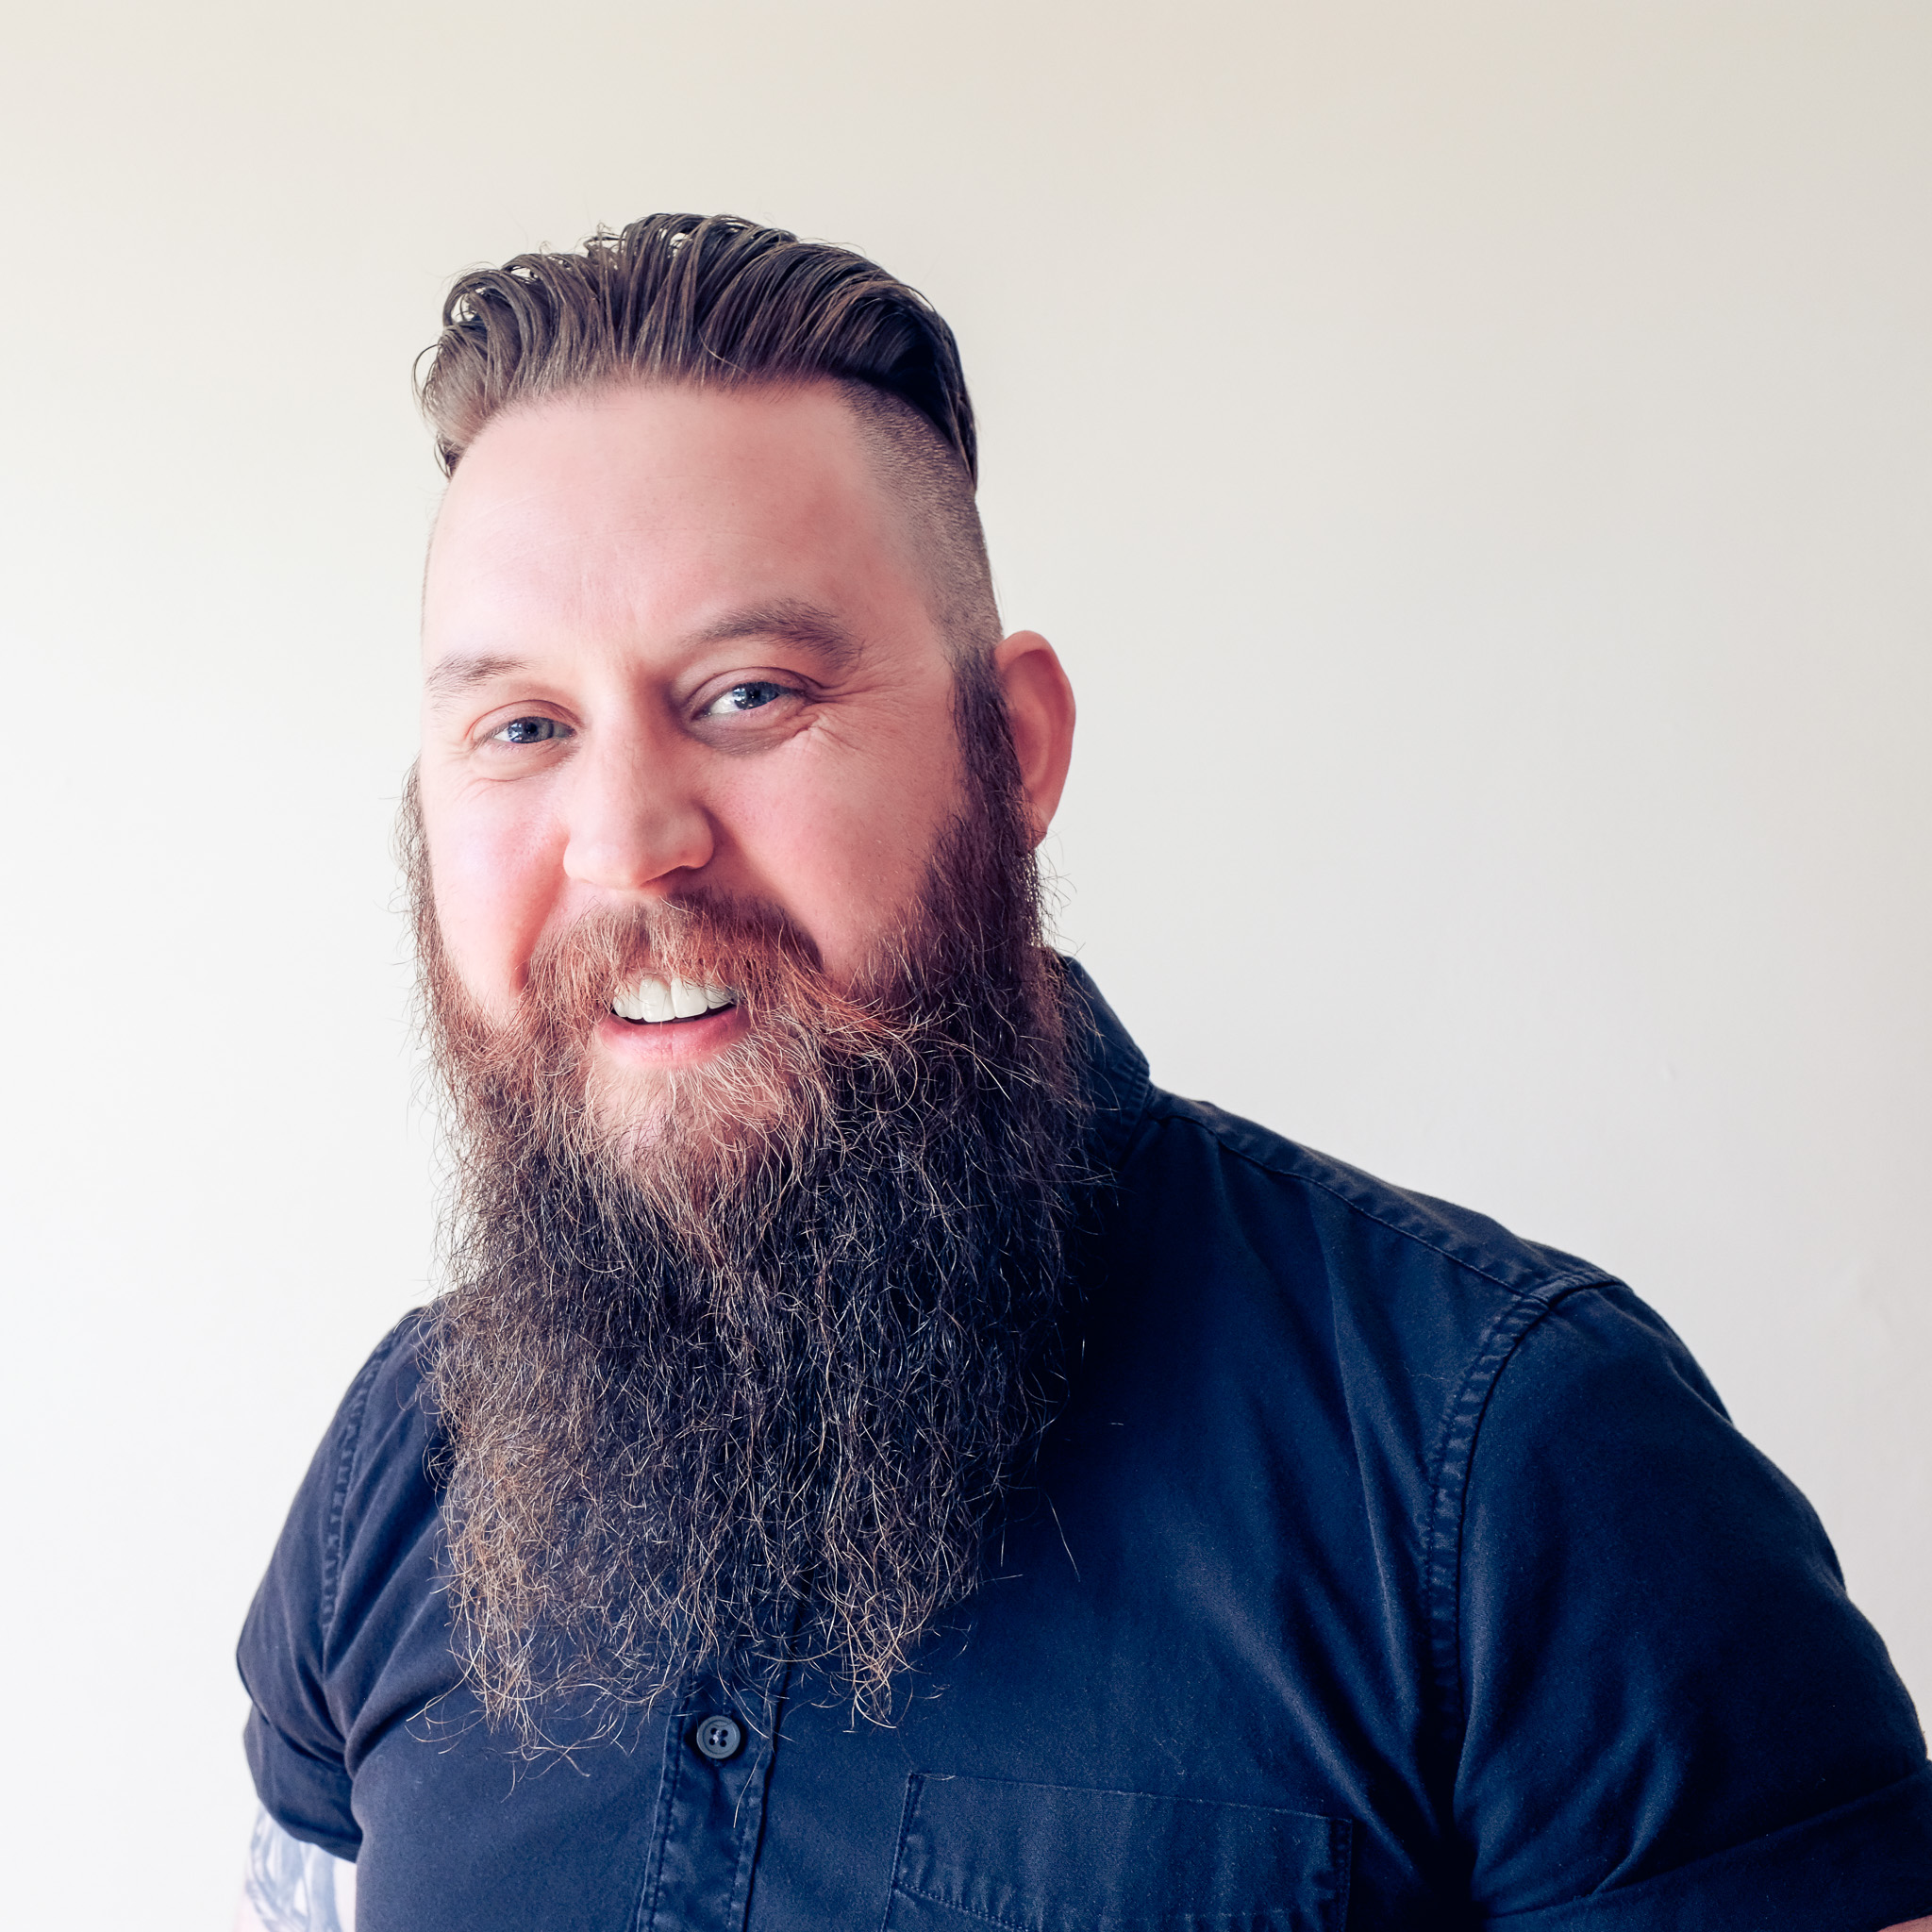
295, 1739
1672, 1715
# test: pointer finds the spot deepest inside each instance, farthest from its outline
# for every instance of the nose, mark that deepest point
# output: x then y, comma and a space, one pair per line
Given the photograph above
633, 821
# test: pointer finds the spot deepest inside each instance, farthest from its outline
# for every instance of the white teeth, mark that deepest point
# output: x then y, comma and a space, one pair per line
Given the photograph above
654, 1000
649, 999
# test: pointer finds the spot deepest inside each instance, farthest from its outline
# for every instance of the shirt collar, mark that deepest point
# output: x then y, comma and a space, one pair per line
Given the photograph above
1113, 1070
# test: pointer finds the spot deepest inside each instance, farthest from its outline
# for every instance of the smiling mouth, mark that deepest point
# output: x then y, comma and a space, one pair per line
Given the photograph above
649, 1001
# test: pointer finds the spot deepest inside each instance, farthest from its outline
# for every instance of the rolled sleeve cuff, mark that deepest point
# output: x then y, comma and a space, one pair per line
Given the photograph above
1861, 1868
305, 1795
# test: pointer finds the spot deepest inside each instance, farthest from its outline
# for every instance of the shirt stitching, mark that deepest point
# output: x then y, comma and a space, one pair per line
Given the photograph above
1442, 1565
752, 1826
1558, 1281
915, 1783
1341, 1852
933, 1898
1340, 1856
651, 1893
355, 1405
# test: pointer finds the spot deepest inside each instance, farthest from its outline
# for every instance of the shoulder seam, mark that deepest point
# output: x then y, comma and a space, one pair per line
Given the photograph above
1561, 1281
1441, 1556
355, 1405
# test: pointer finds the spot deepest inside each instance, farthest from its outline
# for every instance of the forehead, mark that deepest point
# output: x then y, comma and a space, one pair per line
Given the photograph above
653, 506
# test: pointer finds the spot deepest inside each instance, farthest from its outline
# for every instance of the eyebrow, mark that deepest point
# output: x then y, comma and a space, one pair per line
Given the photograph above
455, 675
791, 620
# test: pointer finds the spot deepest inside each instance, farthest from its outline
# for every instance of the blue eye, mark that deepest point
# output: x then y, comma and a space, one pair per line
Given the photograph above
530, 731
745, 698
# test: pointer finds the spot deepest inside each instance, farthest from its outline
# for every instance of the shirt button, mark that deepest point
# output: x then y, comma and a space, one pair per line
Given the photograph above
719, 1737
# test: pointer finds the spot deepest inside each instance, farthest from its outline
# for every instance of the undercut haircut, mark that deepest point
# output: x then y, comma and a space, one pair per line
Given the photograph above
715, 301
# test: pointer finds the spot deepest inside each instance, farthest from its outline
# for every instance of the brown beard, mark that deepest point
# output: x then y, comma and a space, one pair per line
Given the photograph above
745, 1379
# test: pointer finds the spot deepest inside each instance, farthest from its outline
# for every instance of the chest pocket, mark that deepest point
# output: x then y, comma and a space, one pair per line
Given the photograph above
976, 1852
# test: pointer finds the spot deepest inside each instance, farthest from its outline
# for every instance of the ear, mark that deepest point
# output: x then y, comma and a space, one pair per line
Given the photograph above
1039, 711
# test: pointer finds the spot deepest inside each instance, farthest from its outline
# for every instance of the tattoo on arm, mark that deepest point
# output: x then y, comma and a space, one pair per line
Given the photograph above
294, 1886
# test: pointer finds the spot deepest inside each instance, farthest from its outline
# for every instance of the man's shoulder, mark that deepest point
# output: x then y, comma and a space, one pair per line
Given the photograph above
386, 1401
372, 1477
1210, 1164
1322, 1277
1221, 1179
344, 1634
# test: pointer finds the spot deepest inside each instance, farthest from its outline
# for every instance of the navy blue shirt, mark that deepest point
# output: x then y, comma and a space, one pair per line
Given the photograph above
1380, 1570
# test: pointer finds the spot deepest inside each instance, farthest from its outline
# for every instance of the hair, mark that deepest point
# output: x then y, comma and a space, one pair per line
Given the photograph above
715, 301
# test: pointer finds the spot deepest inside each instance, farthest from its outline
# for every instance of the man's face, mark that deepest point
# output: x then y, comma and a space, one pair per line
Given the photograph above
677, 645
686, 711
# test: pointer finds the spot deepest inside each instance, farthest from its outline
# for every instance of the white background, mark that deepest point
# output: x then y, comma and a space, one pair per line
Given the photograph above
1475, 461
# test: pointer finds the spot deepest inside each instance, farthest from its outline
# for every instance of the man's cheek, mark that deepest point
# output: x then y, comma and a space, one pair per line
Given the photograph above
491, 917
850, 878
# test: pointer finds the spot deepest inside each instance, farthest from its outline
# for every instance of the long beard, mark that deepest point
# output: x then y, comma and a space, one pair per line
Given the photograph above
744, 1378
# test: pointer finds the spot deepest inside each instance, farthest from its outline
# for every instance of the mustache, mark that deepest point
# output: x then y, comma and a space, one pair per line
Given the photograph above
740, 1123
752, 945
754, 948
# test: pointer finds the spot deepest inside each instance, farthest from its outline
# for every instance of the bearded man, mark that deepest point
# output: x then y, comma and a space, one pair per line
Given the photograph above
878, 1462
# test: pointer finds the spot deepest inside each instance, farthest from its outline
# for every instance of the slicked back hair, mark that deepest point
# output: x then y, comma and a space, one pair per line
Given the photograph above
718, 301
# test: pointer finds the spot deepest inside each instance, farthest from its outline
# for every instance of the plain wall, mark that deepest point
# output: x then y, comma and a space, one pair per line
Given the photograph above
1474, 460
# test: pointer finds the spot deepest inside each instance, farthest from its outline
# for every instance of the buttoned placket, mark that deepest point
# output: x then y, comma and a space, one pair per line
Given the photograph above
718, 1750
